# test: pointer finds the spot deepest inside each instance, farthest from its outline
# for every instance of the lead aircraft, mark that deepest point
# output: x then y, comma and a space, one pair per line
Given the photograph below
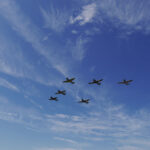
63, 92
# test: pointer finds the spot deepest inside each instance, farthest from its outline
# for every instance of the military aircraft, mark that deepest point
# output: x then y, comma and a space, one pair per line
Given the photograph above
84, 101
69, 80
53, 98
126, 82
61, 92
96, 82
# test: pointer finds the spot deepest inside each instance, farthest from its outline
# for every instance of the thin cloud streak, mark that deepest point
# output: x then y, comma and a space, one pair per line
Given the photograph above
78, 48
65, 140
55, 19
8, 85
135, 143
19, 66
129, 148
32, 34
55, 149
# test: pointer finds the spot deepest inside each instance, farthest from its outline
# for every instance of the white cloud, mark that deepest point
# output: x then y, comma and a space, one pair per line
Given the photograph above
28, 117
74, 32
128, 15
8, 85
55, 149
131, 13
92, 31
66, 140
55, 19
63, 68
135, 143
87, 14
78, 48
34, 102
110, 122
31, 33
129, 148
16, 65
62, 116
20, 66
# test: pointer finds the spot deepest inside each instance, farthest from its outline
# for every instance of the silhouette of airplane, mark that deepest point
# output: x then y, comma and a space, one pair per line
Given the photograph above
61, 92
84, 101
53, 98
126, 82
69, 80
98, 82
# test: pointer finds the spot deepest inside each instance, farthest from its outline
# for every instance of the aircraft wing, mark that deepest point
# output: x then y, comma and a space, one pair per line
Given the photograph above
120, 82
90, 82
101, 79
72, 79
129, 80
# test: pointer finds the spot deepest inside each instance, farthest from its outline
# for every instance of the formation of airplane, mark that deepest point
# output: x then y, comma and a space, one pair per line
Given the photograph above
63, 92
126, 82
98, 82
71, 80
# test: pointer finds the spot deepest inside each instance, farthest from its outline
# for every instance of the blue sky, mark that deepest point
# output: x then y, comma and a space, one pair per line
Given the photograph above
42, 43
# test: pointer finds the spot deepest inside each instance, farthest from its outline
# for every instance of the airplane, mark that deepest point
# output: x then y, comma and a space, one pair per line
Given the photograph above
84, 101
96, 82
61, 92
53, 98
126, 82
69, 80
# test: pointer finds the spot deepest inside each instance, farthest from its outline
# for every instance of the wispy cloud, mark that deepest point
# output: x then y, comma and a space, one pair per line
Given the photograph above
116, 125
66, 140
25, 28
87, 14
78, 48
55, 148
130, 15
55, 19
135, 143
129, 148
19, 65
31, 33
8, 85
111, 122
114, 122
18, 114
